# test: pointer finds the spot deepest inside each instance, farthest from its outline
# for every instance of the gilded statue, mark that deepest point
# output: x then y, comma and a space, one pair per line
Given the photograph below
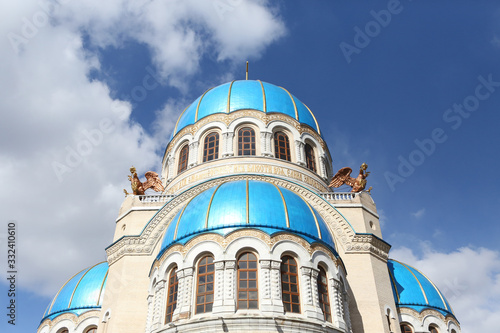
343, 176
152, 181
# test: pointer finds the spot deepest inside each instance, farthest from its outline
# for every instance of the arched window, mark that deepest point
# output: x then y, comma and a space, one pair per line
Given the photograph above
290, 285
246, 142
453, 331
91, 330
405, 328
173, 286
183, 158
324, 300
211, 147
64, 330
281, 146
205, 285
310, 159
247, 282
433, 329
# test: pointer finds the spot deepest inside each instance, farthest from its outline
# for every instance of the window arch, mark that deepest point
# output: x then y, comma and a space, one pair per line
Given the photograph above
246, 142
290, 285
281, 146
93, 329
211, 147
173, 286
247, 282
310, 158
324, 300
64, 330
205, 285
183, 158
433, 329
405, 328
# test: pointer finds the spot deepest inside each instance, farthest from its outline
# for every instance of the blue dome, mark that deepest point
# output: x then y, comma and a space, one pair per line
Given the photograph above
414, 290
247, 204
246, 94
83, 292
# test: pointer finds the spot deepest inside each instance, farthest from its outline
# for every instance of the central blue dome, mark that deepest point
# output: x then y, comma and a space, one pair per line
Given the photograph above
246, 94
247, 204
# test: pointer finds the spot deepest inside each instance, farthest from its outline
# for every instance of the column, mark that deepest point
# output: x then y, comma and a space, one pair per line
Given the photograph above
219, 287
314, 284
306, 293
276, 287
322, 166
183, 308
158, 304
150, 313
193, 154
264, 283
229, 286
300, 152
227, 144
170, 167
265, 144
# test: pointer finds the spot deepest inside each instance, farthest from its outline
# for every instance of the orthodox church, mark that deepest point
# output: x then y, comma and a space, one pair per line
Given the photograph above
245, 234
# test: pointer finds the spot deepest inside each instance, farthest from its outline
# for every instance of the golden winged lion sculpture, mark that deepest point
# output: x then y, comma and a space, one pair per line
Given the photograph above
138, 187
343, 176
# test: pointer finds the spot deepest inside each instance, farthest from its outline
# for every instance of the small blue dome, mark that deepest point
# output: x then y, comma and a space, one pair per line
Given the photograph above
82, 293
246, 94
247, 204
414, 290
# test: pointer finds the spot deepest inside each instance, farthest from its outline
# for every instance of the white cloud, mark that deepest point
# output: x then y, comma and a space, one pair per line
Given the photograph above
419, 213
66, 144
468, 277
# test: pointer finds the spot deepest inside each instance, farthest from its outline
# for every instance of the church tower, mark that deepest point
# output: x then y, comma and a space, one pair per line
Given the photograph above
246, 235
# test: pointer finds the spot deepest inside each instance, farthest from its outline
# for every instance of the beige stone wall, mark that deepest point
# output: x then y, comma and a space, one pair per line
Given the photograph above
126, 295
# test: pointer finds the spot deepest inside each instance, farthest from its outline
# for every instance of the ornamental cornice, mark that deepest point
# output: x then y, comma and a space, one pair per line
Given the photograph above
228, 118
146, 242
367, 243
70, 316
427, 312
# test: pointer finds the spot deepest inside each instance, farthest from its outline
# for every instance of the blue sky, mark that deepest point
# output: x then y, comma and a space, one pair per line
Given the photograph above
373, 104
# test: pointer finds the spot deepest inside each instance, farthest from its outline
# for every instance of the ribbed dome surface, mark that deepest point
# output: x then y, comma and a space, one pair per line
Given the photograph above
246, 94
83, 292
247, 204
412, 289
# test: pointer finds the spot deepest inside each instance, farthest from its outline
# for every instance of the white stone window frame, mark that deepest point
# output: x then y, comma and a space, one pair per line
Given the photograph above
202, 134
258, 127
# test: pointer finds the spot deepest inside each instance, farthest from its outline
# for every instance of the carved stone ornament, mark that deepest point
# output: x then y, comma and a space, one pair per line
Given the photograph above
70, 316
427, 312
369, 244
342, 177
152, 181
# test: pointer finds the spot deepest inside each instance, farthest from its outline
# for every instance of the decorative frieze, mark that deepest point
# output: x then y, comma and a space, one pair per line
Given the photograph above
368, 243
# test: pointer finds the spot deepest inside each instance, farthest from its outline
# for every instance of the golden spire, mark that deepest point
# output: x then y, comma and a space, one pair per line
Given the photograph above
247, 71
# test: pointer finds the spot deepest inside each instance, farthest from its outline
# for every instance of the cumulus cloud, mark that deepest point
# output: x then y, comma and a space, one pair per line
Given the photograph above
67, 144
419, 213
468, 277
